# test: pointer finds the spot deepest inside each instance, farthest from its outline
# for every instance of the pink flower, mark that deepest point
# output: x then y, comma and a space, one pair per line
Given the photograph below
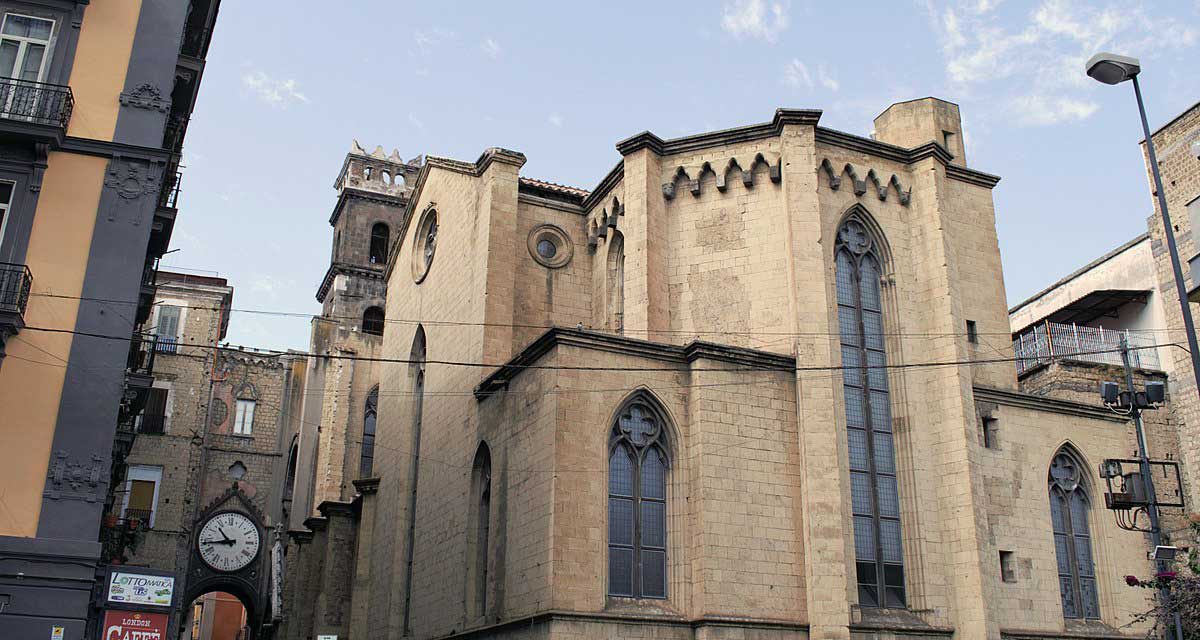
1132, 581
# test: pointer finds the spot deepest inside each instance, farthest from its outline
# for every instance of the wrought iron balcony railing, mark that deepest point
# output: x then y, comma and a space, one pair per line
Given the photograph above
15, 282
1047, 341
36, 102
169, 196
167, 344
142, 347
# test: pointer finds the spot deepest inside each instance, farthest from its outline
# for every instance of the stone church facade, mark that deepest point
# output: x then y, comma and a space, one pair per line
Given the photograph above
733, 391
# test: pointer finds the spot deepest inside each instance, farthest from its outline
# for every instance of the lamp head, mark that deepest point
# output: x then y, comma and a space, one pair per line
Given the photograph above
1111, 68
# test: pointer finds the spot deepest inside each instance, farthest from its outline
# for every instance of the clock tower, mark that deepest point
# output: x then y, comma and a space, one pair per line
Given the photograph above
230, 553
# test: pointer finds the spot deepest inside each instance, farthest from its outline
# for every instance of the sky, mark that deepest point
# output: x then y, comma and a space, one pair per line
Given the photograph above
285, 91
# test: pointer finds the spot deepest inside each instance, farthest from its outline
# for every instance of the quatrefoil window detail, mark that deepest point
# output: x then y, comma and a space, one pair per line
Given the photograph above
854, 237
639, 425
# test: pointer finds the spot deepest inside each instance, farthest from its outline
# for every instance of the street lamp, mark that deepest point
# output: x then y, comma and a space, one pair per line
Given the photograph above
1111, 68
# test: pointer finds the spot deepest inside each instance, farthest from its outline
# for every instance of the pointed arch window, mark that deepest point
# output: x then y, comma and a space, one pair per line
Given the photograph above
366, 457
637, 504
379, 243
480, 528
879, 557
1069, 510
616, 282
416, 370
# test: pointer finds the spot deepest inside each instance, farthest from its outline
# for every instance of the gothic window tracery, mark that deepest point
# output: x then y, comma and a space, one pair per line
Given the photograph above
637, 504
879, 557
366, 458
1069, 509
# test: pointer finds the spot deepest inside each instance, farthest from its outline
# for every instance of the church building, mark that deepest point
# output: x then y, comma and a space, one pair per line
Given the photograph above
756, 383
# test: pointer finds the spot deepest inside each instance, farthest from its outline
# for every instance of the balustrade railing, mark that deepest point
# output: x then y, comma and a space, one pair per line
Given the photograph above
15, 283
37, 102
1047, 341
142, 347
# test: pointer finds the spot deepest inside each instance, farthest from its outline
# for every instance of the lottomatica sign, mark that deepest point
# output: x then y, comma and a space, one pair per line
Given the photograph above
136, 588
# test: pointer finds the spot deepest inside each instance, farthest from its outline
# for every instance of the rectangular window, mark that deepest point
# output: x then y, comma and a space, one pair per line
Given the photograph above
988, 427
243, 422
1008, 568
167, 328
23, 44
154, 416
141, 494
972, 332
6, 193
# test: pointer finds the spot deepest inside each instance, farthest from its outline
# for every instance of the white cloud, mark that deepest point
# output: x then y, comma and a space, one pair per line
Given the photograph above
491, 48
1043, 110
754, 19
273, 91
415, 122
796, 75
555, 120
1040, 55
826, 80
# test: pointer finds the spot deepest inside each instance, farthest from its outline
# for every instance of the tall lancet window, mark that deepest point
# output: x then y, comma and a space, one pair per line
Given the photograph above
637, 504
1069, 509
876, 505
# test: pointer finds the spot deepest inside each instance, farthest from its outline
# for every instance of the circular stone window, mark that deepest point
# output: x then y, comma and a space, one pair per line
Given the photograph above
550, 246
424, 245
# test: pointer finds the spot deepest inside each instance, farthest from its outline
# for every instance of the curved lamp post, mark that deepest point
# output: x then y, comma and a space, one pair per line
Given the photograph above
1111, 68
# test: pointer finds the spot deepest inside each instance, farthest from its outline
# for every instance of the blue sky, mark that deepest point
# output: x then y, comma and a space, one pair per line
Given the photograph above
285, 91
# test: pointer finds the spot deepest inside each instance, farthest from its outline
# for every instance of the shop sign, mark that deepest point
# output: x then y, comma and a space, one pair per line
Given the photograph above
133, 625
136, 588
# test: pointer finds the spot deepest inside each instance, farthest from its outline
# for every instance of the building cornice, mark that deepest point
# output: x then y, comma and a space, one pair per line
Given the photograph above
550, 203
627, 618
748, 133
366, 486
331, 508
1041, 403
849, 141
108, 149
751, 359
607, 184
341, 267
349, 193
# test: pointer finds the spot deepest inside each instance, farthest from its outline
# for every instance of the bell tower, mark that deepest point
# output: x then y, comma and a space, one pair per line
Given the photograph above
373, 190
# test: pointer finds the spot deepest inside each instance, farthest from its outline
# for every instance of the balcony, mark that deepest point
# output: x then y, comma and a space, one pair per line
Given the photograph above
35, 110
15, 282
139, 369
167, 344
147, 291
164, 214
1048, 341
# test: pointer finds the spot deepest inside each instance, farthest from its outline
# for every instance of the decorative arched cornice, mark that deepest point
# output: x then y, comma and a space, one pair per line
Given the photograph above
746, 166
670, 188
882, 188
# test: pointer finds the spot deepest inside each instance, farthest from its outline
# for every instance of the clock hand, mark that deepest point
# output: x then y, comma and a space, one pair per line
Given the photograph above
227, 541
223, 534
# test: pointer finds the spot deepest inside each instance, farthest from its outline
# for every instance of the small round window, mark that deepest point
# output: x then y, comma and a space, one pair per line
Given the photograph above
424, 245
550, 246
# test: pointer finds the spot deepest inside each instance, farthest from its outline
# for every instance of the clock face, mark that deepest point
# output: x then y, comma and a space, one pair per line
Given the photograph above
228, 541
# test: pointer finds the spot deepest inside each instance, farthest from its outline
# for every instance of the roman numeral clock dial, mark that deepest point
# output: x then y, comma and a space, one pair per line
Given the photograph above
228, 541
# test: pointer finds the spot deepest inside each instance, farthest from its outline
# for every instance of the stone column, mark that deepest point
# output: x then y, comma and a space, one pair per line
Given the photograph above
646, 296
824, 487
337, 570
361, 588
